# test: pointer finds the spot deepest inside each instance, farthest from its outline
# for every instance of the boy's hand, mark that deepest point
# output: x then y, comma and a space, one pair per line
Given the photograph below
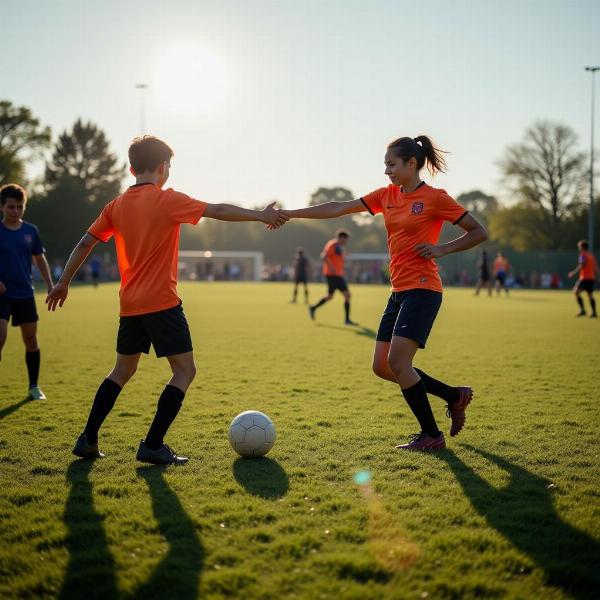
571, 273
2, 288
57, 296
273, 217
429, 251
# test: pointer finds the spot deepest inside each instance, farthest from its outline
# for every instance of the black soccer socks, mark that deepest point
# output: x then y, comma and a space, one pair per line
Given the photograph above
416, 398
32, 360
446, 392
319, 303
580, 302
347, 310
168, 406
105, 399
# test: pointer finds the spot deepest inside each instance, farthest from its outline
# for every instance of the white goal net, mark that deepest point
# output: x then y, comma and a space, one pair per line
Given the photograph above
220, 265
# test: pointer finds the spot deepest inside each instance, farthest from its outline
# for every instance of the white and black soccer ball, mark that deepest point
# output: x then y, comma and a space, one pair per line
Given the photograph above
252, 433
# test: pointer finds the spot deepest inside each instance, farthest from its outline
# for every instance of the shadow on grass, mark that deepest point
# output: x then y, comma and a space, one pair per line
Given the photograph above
13, 407
358, 330
262, 477
91, 569
178, 573
523, 512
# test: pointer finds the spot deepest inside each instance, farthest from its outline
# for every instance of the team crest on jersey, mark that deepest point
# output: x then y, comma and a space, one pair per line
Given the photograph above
28, 239
417, 208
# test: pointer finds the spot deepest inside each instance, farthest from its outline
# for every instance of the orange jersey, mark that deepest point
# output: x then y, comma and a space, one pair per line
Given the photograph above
588, 265
334, 254
412, 219
501, 265
145, 223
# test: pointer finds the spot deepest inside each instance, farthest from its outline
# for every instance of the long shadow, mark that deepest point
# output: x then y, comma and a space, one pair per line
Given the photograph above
91, 569
178, 573
523, 512
358, 330
262, 477
13, 407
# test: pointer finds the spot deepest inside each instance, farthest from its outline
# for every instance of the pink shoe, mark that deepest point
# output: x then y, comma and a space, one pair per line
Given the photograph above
422, 441
456, 411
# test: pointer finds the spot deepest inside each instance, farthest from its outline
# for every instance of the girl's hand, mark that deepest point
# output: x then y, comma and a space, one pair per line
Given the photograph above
429, 251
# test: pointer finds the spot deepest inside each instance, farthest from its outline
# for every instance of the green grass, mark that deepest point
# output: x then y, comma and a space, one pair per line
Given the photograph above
510, 510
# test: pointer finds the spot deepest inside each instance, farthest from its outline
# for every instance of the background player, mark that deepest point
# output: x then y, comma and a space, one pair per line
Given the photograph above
20, 245
587, 269
301, 267
145, 222
484, 279
501, 268
333, 269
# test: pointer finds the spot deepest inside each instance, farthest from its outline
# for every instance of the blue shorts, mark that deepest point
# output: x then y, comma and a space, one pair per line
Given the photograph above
22, 310
410, 314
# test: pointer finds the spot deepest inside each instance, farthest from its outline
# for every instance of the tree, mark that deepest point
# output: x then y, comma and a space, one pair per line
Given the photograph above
479, 204
335, 194
21, 139
546, 172
83, 154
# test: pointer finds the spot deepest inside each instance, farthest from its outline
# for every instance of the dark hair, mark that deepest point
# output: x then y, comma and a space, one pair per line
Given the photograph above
300, 250
584, 244
423, 150
13, 191
147, 153
342, 233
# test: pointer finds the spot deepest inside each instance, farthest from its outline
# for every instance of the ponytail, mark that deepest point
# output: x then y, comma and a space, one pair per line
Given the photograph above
423, 150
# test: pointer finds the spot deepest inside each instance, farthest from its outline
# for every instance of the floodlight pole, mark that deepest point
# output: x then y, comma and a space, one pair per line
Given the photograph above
142, 87
592, 70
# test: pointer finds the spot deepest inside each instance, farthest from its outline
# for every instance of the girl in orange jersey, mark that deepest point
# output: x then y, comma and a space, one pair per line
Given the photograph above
414, 213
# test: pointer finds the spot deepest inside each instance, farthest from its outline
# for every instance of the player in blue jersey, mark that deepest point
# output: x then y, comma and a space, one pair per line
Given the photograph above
20, 245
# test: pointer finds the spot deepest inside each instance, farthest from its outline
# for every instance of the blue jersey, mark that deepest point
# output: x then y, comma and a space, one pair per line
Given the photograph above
17, 247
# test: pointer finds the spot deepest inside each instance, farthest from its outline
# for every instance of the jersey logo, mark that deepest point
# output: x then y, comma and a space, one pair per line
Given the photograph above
28, 239
417, 208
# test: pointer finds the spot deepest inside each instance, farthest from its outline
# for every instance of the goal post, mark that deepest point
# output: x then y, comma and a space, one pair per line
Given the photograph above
225, 265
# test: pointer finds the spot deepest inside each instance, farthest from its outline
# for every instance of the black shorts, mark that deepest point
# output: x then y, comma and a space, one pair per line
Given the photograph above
501, 277
410, 314
167, 330
484, 276
22, 310
335, 282
301, 279
585, 285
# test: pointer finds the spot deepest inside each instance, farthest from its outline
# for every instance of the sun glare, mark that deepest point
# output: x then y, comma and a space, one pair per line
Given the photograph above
191, 80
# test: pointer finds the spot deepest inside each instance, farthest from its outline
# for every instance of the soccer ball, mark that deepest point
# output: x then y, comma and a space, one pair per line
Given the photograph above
252, 433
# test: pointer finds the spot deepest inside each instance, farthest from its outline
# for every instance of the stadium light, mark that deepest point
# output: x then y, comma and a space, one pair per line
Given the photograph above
592, 70
142, 87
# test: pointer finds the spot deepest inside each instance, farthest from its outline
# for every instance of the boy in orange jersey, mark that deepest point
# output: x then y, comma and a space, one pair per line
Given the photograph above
587, 269
333, 269
145, 222
414, 213
501, 268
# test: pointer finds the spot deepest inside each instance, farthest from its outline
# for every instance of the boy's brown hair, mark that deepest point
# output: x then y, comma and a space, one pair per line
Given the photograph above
12, 191
147, 153
343, 233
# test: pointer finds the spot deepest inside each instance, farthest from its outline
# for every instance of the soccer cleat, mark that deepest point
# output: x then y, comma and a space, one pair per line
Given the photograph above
349, 322
84, 449
311, 312
593, 316
456, 411
581, 314
422, 441
161, 456
35, 393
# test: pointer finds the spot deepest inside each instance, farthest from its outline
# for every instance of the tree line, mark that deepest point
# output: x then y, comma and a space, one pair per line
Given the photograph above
545, 174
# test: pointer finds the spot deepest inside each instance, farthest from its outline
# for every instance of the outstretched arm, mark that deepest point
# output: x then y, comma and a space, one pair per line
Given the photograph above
60, 291
329, 210
270, 216
475, 234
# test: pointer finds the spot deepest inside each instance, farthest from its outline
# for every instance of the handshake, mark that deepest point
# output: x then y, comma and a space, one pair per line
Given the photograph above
272, 217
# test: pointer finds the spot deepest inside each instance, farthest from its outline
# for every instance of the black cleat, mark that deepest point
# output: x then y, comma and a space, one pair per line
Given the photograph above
581, 314
311, 312
161, 456
85, 449
593, 316
349, 322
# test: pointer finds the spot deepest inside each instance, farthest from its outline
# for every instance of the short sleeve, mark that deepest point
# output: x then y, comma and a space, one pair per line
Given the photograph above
582, 259
37, 248
449, 209
102, 228
373, 200
183, 209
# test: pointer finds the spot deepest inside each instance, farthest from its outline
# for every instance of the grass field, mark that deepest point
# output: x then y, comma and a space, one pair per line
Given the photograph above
510, 510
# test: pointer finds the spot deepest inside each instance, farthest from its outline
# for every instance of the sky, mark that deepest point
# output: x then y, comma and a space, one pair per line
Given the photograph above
265, 99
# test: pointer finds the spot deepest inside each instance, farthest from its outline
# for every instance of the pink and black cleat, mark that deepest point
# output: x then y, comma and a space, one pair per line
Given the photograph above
422, 441
456, 411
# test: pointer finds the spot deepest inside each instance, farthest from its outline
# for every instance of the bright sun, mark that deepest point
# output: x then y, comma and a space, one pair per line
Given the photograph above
191, 80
